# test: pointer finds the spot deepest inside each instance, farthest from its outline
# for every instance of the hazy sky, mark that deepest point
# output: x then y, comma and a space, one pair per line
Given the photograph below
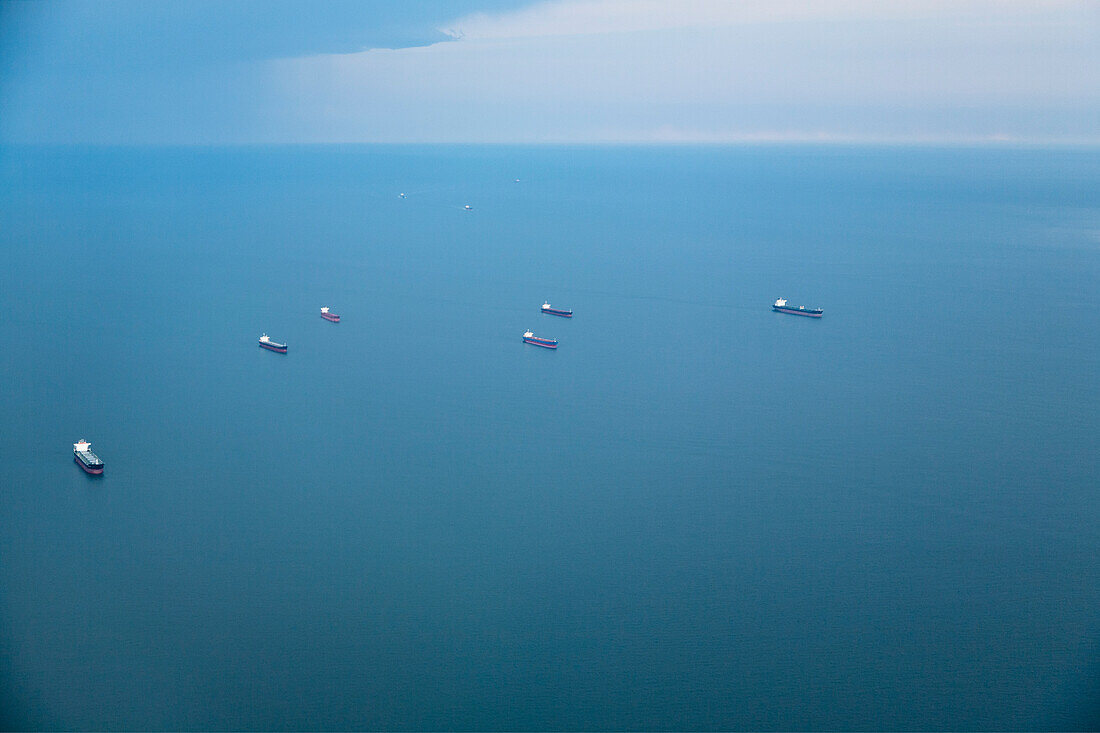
205, 71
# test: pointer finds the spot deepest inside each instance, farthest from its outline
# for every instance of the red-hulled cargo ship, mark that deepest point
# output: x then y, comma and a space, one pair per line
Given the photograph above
329, 316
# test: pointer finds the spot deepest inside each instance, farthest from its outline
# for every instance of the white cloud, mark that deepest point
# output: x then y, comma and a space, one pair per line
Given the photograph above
708, 70
592, 17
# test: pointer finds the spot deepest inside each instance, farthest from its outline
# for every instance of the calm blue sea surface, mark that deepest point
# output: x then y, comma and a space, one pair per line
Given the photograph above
695, 514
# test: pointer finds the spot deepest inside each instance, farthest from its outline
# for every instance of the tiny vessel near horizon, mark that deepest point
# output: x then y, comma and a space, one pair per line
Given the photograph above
563, 312
469, 208
780, 306
401, 196
530, 338
267, 343
329, 316
90, 462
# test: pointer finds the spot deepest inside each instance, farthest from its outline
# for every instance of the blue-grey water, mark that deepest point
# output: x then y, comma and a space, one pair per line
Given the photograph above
695, 514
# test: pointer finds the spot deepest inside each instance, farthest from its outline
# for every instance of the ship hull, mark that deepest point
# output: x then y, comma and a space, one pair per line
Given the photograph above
540, 342
93, 470
330, 317
553, 312
271, 347
797, 312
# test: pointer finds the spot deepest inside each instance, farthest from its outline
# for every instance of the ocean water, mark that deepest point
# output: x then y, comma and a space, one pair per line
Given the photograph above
695, 514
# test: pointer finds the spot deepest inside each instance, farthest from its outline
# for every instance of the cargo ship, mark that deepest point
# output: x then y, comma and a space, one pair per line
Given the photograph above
329, 316
267, 343
556, 311
530, 338
780, 306
82, 454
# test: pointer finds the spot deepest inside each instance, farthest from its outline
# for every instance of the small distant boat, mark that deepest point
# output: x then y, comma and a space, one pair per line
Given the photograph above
530, 338
267, 343
556, 311
780, 306
401, 196
90, 462
329, 316
469, 208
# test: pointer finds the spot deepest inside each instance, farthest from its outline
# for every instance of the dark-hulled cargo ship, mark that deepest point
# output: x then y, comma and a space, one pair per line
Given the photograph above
328, 316
780, 306
267, 343
90, 462
563, 312
530, 338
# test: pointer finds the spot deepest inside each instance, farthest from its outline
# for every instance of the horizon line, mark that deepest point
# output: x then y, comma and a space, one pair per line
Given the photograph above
917, 142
